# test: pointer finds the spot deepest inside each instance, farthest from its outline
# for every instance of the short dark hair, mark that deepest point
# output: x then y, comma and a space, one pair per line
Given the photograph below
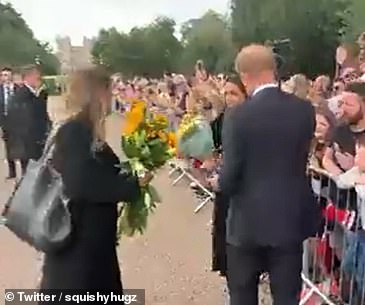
6, 69
356, 87
29, 69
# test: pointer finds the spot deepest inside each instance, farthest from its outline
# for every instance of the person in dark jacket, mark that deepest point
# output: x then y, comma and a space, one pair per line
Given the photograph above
28, 121
7, 90
272, 209
94, 184
235, 93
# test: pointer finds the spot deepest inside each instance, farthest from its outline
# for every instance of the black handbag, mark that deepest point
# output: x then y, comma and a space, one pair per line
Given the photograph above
37, 211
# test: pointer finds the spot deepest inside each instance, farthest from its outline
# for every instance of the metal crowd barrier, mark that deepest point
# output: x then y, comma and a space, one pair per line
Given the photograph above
334, 260
182, 168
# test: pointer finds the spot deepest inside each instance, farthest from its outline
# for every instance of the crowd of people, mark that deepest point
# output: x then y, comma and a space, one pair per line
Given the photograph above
271, 139
335, 147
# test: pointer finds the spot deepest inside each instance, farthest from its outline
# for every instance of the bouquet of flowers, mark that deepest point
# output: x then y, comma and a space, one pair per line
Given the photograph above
148, 145
195, 137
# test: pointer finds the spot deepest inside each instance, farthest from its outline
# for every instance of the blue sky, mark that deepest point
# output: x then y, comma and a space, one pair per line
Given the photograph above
77, 18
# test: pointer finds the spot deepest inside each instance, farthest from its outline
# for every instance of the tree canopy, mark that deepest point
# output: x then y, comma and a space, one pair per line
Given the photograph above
151, 49
18, 44
154, 48
314, 28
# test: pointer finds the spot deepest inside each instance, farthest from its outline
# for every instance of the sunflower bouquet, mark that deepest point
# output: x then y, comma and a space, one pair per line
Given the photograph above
148, 146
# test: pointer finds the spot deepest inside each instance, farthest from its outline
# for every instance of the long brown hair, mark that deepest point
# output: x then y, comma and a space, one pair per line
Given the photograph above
84, 99
235, 79
324, 111
318, 147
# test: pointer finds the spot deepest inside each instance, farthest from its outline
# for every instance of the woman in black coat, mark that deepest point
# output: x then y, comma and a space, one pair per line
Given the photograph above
94, 184
235, 93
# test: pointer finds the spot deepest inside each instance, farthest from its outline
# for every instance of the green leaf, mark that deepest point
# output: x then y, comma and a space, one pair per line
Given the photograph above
147, 200
129, 148
154, 194
145, 153
154, 142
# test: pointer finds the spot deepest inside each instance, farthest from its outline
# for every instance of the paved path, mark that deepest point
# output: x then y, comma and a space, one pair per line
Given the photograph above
171, 261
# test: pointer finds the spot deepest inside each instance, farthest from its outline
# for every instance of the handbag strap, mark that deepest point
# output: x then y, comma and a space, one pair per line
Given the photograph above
50, 143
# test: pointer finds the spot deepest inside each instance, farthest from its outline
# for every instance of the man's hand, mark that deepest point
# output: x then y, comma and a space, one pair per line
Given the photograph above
345, 160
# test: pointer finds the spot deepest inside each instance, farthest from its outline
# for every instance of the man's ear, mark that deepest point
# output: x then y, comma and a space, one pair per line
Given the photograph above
242, 77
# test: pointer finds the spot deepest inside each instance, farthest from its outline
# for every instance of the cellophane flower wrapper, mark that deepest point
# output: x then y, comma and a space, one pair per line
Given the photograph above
148, 146
195, 138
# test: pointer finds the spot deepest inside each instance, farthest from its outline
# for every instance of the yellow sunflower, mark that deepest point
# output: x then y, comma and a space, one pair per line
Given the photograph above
163, 136
159, 121
134, 118
172, 139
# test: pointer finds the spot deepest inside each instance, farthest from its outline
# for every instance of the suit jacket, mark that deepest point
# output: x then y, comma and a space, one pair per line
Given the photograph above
2, 105
27, 125
266, 142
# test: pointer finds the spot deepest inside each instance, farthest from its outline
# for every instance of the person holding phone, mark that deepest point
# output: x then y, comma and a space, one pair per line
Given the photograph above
339, 157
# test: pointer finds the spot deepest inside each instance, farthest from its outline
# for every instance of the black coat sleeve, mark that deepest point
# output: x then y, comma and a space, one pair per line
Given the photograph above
233, 155
86, 177
19, 120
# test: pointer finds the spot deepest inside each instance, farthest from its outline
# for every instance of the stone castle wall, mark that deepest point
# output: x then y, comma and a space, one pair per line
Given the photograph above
74, 57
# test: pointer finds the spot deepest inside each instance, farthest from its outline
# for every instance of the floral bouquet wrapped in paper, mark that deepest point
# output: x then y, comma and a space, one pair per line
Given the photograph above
195, 137
148, 145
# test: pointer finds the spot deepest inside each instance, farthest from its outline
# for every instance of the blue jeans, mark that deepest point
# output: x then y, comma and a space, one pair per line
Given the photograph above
354, 259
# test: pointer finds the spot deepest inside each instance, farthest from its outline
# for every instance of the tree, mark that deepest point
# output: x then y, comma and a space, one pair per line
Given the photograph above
356, 19
207, 38
18, 44
144, 50
314, 27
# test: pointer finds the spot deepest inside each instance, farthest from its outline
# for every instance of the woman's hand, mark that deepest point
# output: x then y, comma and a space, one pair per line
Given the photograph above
209, 164
213, 182
345, 160
360, 180
146, 179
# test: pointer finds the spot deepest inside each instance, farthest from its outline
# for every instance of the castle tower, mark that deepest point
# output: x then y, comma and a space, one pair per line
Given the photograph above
74, 57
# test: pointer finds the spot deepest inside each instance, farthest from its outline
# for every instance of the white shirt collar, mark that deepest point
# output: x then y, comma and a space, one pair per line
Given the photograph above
10, 85
31, 89
5, 92
262, 87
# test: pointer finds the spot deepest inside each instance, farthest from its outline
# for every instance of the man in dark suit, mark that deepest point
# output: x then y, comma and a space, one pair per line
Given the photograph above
272, 210
7, 90
28, 120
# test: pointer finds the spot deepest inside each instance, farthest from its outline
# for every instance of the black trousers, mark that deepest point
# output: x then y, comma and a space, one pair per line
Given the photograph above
11, 162
24, 164
12, 167
246, 263
219, 259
